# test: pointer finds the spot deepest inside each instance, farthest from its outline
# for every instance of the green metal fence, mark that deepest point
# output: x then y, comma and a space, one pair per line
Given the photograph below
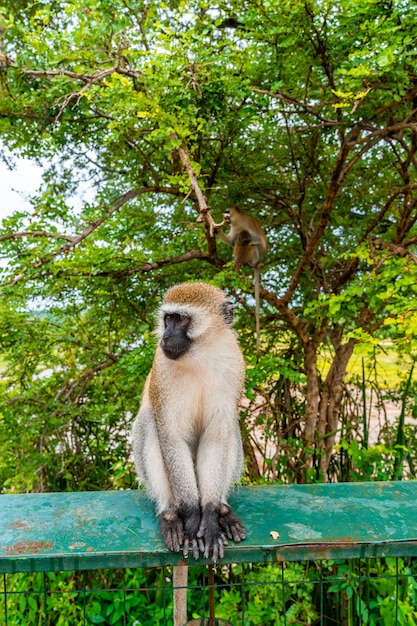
364, 591
315, 554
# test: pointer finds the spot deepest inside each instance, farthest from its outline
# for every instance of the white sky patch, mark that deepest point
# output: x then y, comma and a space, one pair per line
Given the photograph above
20, 183
17, 185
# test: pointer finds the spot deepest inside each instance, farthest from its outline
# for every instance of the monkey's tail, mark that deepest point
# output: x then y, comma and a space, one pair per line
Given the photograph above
257, 323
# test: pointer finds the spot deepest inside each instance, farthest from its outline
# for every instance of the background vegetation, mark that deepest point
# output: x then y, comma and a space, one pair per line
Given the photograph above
304, 113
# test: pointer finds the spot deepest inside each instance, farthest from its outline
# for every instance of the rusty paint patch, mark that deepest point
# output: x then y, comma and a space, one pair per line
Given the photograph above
31, 547
77, 544
18, 524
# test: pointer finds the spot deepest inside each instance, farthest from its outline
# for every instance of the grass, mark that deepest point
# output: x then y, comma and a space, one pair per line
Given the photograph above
383, 366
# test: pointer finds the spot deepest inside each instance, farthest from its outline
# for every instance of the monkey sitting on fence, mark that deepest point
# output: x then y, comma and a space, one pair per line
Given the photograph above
187, 446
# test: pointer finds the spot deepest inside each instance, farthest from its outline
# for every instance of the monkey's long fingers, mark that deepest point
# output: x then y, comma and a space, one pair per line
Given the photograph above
234, 530
218, 549
172, 541
175, 540
231, 524
238, 533
217, 544
196, 549
201, 544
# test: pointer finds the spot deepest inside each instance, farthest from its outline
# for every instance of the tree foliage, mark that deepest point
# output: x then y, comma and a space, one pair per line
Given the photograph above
303, 113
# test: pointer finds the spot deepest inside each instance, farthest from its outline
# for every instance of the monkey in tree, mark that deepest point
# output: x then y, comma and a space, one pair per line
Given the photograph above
187, 446
249, 243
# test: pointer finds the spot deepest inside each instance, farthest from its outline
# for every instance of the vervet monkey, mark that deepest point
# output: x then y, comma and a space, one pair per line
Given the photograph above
187, 446
249, 242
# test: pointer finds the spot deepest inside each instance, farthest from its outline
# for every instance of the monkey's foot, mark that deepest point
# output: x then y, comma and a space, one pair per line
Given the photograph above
211, 533
231, 524
179, 527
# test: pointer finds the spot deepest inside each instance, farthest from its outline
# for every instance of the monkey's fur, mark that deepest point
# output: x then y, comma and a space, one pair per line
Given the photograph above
249, 243
186, 441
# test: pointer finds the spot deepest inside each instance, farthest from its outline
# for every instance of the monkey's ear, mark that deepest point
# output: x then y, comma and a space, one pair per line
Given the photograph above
228, 311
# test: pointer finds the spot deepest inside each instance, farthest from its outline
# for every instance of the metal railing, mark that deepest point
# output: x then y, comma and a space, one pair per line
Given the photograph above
315, 554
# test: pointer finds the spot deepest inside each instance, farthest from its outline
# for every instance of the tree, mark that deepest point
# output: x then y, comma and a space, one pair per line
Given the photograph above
304, 113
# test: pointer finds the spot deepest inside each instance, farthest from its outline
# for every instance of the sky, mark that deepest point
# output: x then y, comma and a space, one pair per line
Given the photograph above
17, 185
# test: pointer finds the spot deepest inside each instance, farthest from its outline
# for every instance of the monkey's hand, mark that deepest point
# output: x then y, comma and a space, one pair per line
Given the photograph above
211, 533
191, 516
172, 529
179, 527
231, 524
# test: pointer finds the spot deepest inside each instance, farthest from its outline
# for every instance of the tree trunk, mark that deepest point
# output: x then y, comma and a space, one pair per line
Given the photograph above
323, 406
330, 401
312, 405
252, 466
312, 393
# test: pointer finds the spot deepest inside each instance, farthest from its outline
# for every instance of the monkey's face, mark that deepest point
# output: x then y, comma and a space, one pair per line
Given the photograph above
175, 342
232, 215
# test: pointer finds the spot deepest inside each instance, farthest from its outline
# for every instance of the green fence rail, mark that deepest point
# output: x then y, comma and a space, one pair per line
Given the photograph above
315, 554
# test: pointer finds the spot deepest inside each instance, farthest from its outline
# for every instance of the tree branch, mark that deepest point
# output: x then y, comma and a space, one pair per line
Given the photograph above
133, 193
287, 313
386, 131
339, 173
85, 78
84, 378
74, 241
203, 207
302, 105
155, 265
35, 233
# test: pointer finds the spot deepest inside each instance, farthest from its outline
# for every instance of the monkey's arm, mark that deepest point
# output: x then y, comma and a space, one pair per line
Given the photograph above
185, 504
226, 238
219, 465
165, 475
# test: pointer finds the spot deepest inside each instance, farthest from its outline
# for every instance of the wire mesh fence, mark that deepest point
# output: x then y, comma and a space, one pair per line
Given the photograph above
348, 592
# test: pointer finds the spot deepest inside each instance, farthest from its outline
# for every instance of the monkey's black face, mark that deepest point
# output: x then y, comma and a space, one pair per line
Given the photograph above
175, 341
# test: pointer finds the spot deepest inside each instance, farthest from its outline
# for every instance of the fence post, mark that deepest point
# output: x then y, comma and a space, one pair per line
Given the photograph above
180, 580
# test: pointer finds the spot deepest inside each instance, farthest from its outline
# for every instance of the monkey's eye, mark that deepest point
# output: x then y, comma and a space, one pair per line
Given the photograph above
184, 321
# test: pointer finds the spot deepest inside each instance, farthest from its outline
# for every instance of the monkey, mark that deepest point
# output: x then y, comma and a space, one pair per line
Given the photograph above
187, 446
230, 22
249, 242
